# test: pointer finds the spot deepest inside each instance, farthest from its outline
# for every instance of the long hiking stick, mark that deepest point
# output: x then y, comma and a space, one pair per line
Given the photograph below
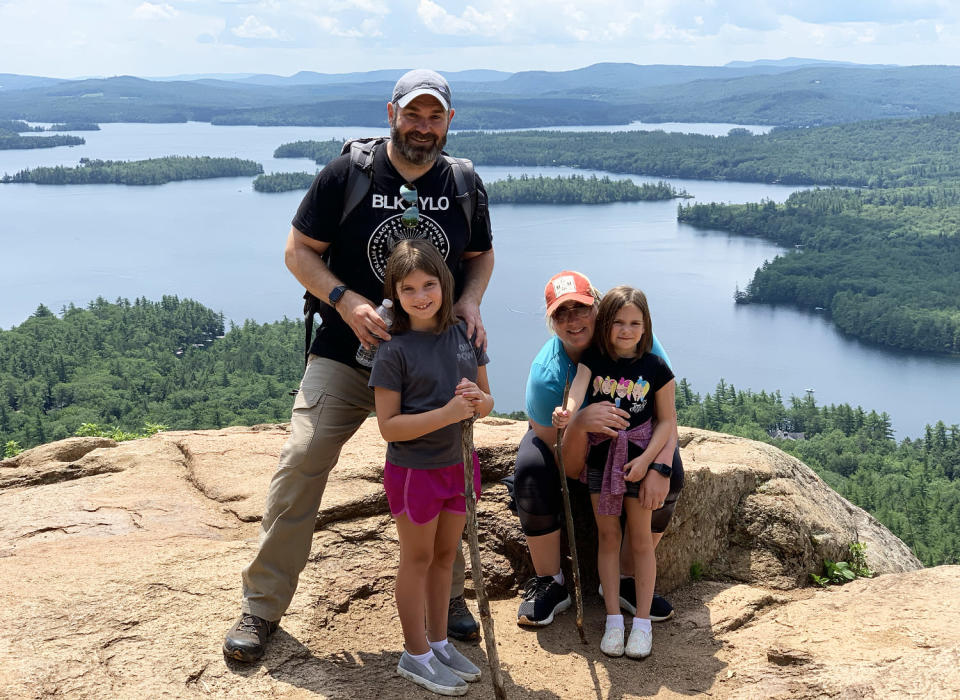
489, 639
571, 535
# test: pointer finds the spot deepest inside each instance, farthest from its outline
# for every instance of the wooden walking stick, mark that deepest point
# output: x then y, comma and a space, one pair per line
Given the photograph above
493, 658
571, 535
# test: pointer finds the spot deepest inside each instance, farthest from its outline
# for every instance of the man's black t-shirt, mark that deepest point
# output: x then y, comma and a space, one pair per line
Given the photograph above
360, 247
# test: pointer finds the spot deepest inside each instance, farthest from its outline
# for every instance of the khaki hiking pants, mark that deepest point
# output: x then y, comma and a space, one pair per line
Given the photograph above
332, 402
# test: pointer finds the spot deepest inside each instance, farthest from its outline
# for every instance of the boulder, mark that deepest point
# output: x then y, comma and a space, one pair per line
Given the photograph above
120, 572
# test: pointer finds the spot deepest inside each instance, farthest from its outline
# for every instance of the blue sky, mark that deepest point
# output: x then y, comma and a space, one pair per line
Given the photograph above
75, 38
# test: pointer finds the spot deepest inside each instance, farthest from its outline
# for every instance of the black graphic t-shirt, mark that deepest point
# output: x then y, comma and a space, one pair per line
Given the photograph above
631, 384
360, 247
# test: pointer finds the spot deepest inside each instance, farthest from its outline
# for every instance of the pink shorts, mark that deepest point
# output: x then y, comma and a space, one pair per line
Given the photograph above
422, 493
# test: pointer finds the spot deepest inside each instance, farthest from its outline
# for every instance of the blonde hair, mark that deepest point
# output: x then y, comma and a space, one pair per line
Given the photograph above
407, 257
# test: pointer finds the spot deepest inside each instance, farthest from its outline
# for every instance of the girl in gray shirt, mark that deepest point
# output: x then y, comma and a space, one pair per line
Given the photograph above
427, 378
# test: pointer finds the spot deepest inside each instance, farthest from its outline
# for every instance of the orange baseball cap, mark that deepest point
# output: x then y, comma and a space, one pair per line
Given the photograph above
567, 285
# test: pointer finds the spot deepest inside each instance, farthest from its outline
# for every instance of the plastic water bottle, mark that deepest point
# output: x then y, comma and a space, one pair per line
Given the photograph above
384, 311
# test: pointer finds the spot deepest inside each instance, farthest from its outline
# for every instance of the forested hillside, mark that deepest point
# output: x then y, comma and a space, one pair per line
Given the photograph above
609, 93
883, 263
887, 153
125, 364
877, 154
912, 487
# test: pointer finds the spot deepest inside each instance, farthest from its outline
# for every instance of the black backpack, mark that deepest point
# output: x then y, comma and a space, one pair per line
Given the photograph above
359, 180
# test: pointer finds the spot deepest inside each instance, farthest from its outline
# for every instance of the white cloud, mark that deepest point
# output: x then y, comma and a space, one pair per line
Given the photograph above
332, 26
151, 11
470, 22
373, 7
253, 28
161, 37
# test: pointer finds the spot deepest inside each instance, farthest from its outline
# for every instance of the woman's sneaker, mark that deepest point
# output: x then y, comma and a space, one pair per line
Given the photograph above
612, 642
451, 657
542, 599
660, 609
639, 644
434, 676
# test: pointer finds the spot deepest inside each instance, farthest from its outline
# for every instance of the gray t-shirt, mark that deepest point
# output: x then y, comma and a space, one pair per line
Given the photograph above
426, 368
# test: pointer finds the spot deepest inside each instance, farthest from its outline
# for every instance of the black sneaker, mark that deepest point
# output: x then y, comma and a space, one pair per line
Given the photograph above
628, 595
245, 641
660, 608
542, 599
460, 623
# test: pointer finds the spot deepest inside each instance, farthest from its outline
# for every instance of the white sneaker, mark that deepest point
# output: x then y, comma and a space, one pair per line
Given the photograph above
639, 644
612, 642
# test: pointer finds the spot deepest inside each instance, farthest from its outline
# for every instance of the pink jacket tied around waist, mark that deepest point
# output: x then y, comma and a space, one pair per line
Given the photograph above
614, 485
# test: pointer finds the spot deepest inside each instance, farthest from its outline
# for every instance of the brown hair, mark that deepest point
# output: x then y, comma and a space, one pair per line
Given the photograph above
411, 255
612, 302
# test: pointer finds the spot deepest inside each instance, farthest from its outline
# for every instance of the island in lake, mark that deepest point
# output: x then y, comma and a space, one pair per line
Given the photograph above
153, 171
573, 189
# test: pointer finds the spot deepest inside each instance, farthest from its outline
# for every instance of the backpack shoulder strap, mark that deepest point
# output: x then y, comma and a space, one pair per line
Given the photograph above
359, 179
360, 174
465, 183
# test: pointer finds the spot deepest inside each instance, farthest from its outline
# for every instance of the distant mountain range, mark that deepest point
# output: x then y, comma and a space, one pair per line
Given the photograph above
786, 92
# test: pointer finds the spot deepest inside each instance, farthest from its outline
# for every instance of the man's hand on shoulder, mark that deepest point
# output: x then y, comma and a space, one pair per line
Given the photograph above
361, 315
469, 311
478, 266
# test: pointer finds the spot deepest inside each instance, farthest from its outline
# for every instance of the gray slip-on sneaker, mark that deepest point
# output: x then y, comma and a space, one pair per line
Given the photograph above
458, 663
435, 676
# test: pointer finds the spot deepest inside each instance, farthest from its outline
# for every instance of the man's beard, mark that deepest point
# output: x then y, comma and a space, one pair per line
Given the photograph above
415, 154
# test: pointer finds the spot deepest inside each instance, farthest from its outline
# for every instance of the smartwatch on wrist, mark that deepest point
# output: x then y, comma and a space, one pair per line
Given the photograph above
336, 294
664, 469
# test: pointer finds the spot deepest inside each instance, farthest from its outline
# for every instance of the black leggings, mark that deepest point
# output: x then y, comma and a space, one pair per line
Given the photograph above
536, 488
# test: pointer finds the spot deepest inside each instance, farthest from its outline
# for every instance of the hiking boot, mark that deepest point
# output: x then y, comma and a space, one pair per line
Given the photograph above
542, 599
460, 623
245, 641
639, 644
660, 608
435, 676
458, 663
612, 642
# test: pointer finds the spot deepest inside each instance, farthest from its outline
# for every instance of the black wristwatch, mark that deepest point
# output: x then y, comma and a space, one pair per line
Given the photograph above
336, 294
664, 469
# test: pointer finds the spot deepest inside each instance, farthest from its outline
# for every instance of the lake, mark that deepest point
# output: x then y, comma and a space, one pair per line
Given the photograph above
221, 243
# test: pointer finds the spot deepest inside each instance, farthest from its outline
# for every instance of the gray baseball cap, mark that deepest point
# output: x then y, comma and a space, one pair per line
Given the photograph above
421, 82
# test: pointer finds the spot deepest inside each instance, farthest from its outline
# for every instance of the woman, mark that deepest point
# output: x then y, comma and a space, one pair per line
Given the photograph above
571, 314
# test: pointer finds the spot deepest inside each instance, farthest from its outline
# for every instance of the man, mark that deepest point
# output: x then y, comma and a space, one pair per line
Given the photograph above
342, 263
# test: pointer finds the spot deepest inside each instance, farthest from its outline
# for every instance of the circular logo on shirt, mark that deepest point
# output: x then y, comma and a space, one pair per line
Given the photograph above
392, 231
